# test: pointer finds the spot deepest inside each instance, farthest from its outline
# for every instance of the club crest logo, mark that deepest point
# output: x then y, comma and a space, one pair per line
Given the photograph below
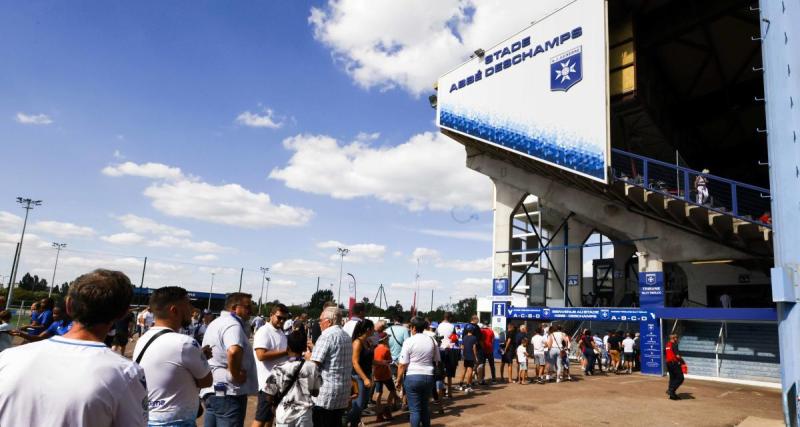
566, 69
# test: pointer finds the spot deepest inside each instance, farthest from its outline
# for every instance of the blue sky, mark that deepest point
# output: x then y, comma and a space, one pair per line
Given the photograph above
206, 135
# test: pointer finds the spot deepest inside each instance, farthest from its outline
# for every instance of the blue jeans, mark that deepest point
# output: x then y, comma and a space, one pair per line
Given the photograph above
418, 391
225, 411
354, 416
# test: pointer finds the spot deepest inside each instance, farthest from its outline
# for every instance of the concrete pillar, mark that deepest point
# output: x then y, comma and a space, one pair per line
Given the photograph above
780, 42
506, 200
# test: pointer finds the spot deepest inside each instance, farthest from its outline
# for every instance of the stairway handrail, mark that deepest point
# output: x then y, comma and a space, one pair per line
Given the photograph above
693, 171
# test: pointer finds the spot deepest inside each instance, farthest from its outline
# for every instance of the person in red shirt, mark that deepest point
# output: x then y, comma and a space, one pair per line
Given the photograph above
486, 353
674, 362
383, 378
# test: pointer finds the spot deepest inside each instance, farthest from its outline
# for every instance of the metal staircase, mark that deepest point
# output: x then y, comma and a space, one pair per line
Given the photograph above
732, 214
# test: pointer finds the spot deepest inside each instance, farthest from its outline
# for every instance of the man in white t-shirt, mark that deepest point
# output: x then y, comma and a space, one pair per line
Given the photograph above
450, 352
269, 349
232, 363
359, 309
627, 351
90, 385
175, 365
538, 341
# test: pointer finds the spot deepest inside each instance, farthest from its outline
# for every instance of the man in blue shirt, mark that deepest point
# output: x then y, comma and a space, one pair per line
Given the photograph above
59, 326
397, 334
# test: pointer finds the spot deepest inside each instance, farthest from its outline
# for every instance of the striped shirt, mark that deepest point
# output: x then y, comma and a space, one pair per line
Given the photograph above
334, 354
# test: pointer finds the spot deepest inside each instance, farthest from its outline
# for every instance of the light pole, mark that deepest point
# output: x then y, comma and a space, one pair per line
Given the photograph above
266, 296
264, 271
59, 247
28, 204
210, 291
342, 253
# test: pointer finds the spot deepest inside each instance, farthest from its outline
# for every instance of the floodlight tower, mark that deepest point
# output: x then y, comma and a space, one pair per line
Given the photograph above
342, 253
27, 204
58, 247
264, 271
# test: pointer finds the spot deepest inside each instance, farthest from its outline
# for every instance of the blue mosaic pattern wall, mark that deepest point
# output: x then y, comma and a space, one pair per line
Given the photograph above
556, 149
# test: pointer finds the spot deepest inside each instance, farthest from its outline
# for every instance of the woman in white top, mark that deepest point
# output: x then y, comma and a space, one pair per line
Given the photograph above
415, 372
556, 342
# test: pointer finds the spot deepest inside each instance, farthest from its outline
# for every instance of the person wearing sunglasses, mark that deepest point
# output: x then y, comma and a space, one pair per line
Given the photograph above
269, 347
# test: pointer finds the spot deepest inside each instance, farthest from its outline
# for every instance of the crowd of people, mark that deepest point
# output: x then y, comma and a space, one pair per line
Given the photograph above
186, 363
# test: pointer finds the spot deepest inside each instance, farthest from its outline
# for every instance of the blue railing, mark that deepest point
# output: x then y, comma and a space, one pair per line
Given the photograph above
737, 199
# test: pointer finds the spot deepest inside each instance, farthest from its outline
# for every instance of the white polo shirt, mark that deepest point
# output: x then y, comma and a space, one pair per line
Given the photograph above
221, 334
171, 363
68, 382
270, 339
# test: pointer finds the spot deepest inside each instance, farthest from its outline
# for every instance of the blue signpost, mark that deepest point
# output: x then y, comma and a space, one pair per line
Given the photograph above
651, 296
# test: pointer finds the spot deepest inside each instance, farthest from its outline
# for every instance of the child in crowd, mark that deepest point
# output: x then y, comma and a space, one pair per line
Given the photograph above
522, 359
292, 384
383, 378
469, 350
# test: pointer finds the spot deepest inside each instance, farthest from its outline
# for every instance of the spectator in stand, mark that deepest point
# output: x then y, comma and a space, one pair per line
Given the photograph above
383, 378
469, 350
175, 365
486, 354
231, 362
415, 372
587, 347
363, 355
60, 326
614, 344
270, 349
522, 361
674, 368
293, 384
89, 384
627, 351
508, 353
449, 350
766, 218
701, 187
333, 354
5, 330
359, 309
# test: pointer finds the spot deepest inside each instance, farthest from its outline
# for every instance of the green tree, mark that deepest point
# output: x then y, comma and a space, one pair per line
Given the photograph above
465, 309
318, 299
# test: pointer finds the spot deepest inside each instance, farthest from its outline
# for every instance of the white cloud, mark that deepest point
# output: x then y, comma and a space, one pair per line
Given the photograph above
184, 196
229, 204
426, 172
9, 220
145, 170
432, 256
476, 265
118, 154
423, 284
33, 119
360, 252
302, 268
365, 136
471, 286
205, 257
62, 229
425, 253
140, 224
283, 283
409, 44
266, 119
460, 234
182, 243
123, 239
